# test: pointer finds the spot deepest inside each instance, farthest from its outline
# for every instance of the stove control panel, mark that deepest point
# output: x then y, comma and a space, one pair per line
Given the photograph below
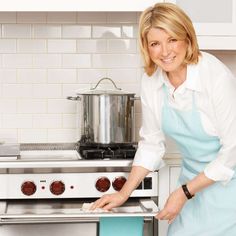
71, 185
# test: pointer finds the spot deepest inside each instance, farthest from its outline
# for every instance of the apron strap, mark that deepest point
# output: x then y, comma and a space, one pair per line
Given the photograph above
165, 94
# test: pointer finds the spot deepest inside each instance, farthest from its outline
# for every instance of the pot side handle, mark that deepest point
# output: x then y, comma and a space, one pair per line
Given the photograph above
77, 98
134, 98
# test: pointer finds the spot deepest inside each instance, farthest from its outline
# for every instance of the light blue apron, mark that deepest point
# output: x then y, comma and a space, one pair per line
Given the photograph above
212, 212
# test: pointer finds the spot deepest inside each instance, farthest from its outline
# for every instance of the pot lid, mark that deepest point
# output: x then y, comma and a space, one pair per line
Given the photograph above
94, 91
104, 92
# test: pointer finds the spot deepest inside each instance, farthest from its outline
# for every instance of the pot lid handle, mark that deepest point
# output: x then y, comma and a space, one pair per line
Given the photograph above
105, 78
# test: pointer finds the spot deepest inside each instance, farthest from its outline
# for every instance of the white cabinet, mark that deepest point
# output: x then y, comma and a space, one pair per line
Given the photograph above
211, 17
168, 177
76, 5
214, 22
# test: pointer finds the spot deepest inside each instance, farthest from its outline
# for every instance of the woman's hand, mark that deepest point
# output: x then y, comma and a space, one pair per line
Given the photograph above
109, 201
173, 206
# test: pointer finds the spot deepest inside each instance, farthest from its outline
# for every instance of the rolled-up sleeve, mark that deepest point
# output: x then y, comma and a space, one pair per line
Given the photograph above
151, 147
224, 104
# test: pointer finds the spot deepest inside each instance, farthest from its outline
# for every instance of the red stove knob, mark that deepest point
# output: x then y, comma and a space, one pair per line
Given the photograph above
103, 184
118, 183
57, 187
28, 188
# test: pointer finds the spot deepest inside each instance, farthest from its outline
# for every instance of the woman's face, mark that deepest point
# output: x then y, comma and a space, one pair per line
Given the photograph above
166, 51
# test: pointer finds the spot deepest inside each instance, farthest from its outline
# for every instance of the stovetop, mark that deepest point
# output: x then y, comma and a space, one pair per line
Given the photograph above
59, 155
76, 151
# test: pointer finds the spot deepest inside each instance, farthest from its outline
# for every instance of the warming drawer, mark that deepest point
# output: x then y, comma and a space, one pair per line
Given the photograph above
68, 211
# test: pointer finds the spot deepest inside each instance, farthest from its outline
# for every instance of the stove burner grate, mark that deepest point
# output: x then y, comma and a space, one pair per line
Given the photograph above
120, 152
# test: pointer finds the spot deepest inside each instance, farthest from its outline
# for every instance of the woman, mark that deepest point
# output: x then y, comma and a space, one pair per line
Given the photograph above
189, 96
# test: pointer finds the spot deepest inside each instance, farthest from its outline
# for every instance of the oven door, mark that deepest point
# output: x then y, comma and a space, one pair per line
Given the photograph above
68, 211
60, 217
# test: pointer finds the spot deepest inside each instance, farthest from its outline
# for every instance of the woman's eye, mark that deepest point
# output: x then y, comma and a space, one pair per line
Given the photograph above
173, 40
153, 44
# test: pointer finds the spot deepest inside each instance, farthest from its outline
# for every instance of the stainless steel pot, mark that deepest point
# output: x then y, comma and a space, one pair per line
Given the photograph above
107, 115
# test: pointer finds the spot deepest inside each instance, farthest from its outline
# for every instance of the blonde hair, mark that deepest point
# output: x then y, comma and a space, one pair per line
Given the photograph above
176, 23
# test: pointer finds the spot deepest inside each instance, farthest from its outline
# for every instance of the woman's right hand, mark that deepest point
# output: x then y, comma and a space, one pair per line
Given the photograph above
109, 201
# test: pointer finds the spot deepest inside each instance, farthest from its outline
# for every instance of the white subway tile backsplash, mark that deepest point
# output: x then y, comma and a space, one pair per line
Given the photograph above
61, 46
7, 45
72, 89
32, 135
69, 121
16, 31
109, 31
91, 17
7, 76
61, 76
61, 17
91, 75
46, 31
47, 61
17, 60
115, 61
76, 61
17, 91
31, 46
47, 121
121, 17
132, 88
62, 135
32, 106
8, 106
31, 17
9, 135
47, 91
7, 17
76, 31
11, 121
32, 76
121, 46
91, 46
61, 106
123, 75
1, 61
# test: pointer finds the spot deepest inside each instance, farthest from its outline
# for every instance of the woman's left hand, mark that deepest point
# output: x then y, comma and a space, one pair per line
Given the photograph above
173, 206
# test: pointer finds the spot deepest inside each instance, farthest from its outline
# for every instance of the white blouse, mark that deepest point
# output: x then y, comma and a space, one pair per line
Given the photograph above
214, 88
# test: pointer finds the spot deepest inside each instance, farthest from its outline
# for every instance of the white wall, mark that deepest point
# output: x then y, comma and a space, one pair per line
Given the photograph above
45, 57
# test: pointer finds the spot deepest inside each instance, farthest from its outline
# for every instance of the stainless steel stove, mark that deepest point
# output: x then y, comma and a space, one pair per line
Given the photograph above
48, 183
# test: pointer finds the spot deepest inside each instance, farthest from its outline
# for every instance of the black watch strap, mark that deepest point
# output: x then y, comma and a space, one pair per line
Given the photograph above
186, 192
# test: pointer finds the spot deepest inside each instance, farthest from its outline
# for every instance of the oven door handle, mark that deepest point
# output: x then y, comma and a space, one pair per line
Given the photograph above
46, 220
49, 220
